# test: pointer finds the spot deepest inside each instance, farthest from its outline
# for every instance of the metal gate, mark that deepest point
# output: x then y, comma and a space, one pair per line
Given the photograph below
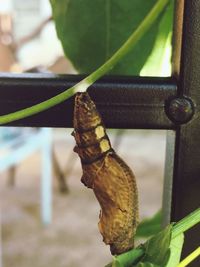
138, 103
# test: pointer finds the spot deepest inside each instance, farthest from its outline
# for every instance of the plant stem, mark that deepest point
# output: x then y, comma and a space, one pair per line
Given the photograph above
132, 256
190, 258
186, 223
107, 66
23, 113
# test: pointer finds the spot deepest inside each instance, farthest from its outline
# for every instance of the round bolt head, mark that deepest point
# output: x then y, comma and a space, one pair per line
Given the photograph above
180, 109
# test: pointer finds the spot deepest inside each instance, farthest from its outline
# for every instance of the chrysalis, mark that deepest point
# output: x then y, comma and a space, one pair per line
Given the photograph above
108, 175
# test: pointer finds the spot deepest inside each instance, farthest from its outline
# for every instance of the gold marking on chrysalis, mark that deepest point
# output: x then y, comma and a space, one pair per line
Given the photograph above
99, 131
104, 145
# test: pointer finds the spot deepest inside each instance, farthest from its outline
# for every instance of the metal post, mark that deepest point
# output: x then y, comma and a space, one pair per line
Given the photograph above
46, 180
186, 177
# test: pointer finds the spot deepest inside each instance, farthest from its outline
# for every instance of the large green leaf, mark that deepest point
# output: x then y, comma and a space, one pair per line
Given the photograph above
159, 62
92, 30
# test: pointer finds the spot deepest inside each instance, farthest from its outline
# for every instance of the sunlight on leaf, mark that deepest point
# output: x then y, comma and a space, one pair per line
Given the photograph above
159, 62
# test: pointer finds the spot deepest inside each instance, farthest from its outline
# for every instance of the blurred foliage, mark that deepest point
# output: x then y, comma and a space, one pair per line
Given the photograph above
150, 226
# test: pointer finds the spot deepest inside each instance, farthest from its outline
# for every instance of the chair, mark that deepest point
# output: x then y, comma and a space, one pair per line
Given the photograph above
17, 144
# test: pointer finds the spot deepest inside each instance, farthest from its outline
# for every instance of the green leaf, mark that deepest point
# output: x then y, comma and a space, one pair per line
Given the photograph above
176, 246
149, 227
91, 31
157, 248
159, 62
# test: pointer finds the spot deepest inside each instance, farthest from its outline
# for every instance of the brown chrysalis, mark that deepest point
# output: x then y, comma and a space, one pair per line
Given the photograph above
108, 175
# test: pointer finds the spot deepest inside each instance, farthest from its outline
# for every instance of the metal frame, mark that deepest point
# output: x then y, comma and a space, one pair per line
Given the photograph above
124, 102
132, 102
186, 178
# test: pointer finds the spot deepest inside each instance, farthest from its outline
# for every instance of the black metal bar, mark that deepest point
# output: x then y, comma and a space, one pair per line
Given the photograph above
186, 181
124, 102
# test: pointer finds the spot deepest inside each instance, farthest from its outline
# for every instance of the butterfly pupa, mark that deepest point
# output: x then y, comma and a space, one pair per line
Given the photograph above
112, 181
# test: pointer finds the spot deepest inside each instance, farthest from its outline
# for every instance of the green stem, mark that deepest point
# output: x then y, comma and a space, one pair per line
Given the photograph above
186, 223
131, 257
107, 66
39, 107
190, 258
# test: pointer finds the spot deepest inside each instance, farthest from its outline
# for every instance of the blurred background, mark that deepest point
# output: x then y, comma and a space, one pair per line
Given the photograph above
70, 238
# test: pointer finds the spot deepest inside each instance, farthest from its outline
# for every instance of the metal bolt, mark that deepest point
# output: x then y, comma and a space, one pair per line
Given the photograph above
180, 110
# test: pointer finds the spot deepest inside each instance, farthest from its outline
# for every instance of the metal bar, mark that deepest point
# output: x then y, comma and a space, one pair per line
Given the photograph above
186, 180
168, 178
170, 138
124, 102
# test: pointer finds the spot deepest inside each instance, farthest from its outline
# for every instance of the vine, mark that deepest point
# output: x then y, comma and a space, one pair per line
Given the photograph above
93, 77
